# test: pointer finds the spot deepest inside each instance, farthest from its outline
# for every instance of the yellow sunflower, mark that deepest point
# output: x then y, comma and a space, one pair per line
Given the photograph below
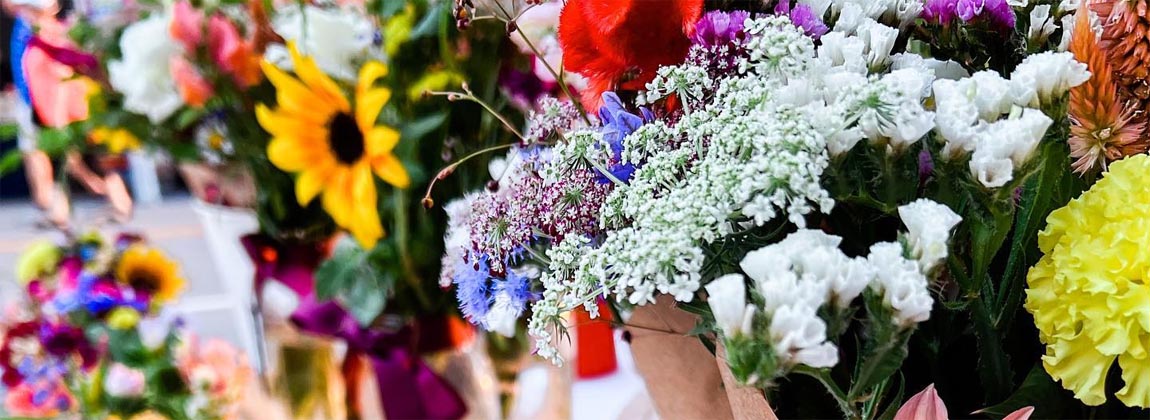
333, 146
149, 270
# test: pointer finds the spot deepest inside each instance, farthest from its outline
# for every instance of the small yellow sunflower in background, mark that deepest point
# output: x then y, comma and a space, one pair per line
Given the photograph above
332, 146
149, 270
117, 140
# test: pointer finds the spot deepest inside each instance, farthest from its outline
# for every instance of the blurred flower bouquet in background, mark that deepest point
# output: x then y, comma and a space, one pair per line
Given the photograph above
846, 196
95, 339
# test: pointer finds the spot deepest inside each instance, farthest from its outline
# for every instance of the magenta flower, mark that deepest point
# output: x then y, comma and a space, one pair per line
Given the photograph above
720, 28
996, 12
803, 17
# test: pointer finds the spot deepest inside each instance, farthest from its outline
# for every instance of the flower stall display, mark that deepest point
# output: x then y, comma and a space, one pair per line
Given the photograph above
847, 196
96, 339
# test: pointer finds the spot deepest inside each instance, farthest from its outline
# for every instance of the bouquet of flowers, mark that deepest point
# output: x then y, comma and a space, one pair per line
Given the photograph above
96, 340
848, 193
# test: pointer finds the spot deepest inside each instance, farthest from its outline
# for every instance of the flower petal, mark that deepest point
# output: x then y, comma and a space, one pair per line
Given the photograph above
923, 405
391, 170
320, 83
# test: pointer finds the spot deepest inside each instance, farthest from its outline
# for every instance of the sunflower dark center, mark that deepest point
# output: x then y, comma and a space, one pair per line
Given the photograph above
345, 139
145, 281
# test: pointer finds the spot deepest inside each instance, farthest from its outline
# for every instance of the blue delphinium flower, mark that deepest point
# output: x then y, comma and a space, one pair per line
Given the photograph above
618, 123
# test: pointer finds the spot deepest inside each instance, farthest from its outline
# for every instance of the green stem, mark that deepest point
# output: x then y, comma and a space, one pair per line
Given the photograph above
402, 239
824, 377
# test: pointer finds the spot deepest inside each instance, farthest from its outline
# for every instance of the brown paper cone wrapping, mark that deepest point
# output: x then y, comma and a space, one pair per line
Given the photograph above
746, 402
681, 374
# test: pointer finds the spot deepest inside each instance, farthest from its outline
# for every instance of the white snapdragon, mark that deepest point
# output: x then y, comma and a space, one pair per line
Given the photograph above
1041, 24
727, 297
1042, 77
948, 69
928, 227
142, 74
904, 289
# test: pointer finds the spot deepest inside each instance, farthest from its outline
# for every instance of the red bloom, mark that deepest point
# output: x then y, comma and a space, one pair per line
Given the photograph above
620, 44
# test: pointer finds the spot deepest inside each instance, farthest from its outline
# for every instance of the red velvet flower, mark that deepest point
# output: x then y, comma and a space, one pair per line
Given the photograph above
620, 44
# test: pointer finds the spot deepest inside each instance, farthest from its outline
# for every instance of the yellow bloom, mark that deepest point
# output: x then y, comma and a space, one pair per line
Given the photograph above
149, 415
117, 140
123, 318
1090, 292
38, 260
148, 270
333, 147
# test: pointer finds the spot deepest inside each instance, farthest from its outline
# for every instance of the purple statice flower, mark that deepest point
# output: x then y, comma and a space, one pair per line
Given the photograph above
473, 287
718, 28
925, 165
997, 13
803, 17
617, 124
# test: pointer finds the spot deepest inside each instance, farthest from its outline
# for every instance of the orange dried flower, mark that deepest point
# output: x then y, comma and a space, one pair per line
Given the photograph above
1102, 130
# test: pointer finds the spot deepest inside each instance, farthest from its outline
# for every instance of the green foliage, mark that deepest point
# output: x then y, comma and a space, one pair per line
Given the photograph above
349, 277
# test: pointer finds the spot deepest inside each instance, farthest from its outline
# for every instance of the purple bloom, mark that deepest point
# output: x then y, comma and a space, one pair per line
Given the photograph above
999, 14
472, 288
925, 165
803, 17
720, 28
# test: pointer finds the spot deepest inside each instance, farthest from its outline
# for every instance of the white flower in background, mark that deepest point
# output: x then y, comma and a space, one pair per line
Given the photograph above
808, 267
902, 285
457, 238
123, 382
727, 297
1042, 77
278, 301
992, 94
154, 331
339, 40
948, 69
956, 117
213, 142
1018, 3
142, 73
928, 227
799, 336
502, 316
903, 11
879, 41
1041, 24
843, 52
1007, 144
851, 15
1067, 24
818, 7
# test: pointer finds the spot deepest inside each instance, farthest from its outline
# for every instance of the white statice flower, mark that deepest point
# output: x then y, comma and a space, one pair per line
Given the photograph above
1041, 24
903, 12
840, 51
339, 40
818, 7
1006, 145
799, 337
948, 69
889, 110
1018, 3
928, 227
503, 316
1067, 24
992, 94
1043, 77
956, 117
850, 14
879, 40
457, 238
727, 297
142, 74
900, 282
806, 266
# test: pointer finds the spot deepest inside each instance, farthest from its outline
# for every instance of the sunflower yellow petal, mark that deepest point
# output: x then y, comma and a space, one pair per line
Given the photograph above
336, 201
309, 184
370, 73
368, 105
321, 85
294, 97
366, 226
380, 140
391, 171
294, 155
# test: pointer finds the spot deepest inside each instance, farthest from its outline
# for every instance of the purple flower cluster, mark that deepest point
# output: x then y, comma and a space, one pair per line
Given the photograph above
803, 17
719, 28
997, 13
617, 124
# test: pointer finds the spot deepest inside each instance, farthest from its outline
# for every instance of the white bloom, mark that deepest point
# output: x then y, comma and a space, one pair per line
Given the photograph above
502, 317
992, 94
142, 73
457, 238
279, 301
948, 69
902, 285
845, 52
154, 331
1018, 3
1041, 24
1007, 144
1043, 77
956, 117
904, 11
850, 17
991, 172
339, 40
879, 41
928, 227
799, 336
818, 7
1067, 23
123, 382
727, 297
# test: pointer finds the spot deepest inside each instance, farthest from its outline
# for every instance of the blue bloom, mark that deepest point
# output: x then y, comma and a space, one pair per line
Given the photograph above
472, 287
618, 124
518, 288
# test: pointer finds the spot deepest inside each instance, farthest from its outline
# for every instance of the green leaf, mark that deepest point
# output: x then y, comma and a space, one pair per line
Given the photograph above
993, 363
429, 25
188, 116
350, 277
1037, 390
896, 402
8, 131
10, 161
884, 351
423, 126
340, 271
366, 299
54, 141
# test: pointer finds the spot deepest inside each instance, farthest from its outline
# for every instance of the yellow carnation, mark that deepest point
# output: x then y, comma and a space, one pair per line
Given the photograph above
1090, 293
